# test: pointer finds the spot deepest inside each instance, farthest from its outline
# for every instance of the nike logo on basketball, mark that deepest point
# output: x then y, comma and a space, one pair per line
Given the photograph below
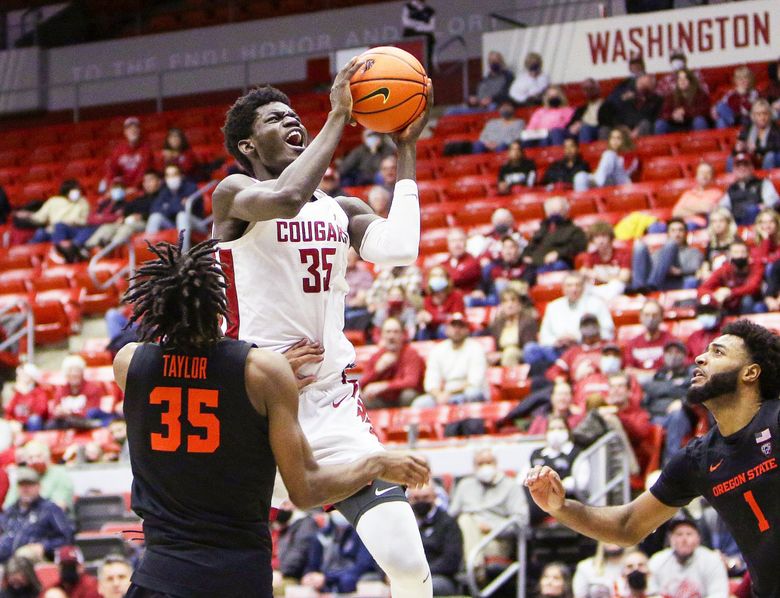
714, 467
379, 492
382, 91
336, 404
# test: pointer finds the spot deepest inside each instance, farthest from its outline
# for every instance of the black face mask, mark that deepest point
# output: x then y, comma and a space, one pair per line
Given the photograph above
501, 229
555, 219
717, 386
421, 509
283, 516
69, 573
740, 262
555, 102
637, 580
495, 67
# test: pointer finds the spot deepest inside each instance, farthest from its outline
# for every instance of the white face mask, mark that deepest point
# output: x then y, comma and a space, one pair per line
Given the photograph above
437, 283
173, 182
707, 321
117, 193
486, 473
74, 194
372, 142
557, 438
609, 364
678, 64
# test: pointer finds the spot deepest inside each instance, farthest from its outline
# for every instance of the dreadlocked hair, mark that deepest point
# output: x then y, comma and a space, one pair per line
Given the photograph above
177, 299
763, 347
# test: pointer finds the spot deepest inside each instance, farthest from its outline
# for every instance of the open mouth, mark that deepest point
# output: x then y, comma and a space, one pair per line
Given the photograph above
698, 375
294, 138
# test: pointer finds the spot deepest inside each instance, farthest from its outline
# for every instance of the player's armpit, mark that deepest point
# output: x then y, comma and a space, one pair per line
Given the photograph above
122, 363
244, 198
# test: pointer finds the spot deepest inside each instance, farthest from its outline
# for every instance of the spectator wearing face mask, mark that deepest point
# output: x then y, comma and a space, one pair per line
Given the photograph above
73, 579
361, 164
498, 133
529, 85
60, 217
557, 241
441, 301
29, 403
679, 61
595, 385
293, 531
590, 120
736, 284
581, 359
709, 316
644, 353
598, 575
636, 571
547, 124
167, 209
493, 88
561, 406
487, 247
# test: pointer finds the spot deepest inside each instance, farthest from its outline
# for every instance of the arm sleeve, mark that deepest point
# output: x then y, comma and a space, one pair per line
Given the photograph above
395, 240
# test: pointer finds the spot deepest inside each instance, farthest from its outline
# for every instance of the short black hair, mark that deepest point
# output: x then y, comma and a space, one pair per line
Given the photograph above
763, 347
68, 185
241, 116
178, 299
678, 220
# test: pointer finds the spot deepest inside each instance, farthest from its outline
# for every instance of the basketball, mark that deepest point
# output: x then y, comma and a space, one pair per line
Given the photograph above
389, 91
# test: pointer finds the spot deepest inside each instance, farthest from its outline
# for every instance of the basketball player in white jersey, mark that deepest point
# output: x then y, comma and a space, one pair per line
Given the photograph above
284, 249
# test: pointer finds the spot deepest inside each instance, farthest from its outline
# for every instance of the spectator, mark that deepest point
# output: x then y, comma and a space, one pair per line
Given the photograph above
561, 406
418, 19
293, 531
29, 403
686, 567
733, 109
485, 501
498, 133
508, 271
397, 306
359, 279
169, 207
20, 580
456, 368
442, 539
441, 301
73, 579
362, 163
709, 315
379, 200
622, 414
761, 136
488, 247
636, 571
616, 165
592, 117
114, 576
33, 527
462, 267
60, 216
561, 323
513, 326
673, 266
388, 173
176, 150
407, 278
641, 110
393, 376
737, 284
626, 89
135, 214
598, 575
78, 400
529, 85
748, 194
721, 233
595, 385
517, 170
331, 183
698, 202
555, 581
493, 88
581, 359
130, 159
607, 268
115, 447
772, 89
644, 353
548, 122
56, 484
558, 240
562, 172
686, 108
678, 61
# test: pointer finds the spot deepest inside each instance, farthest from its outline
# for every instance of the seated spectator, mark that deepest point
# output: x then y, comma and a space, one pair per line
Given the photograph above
114, 576
29, 403
387, 174
60, 217
73, 578
485, 501
580, 359
687, 108
516, 171
359, 279
562, 172
644, 353
33, 527
673, 266
636, 571
639, 112
361, 164
168, 209
293, 531
616, 165
513, 326
337, 558
393, 376
698, 202
594, 387
441, 537
678, 61
176, 150
408, 280
624, 416
761, 137
55, 483
598, 575
331, 184
530, 83
130, 159
498, 133
115, 448
772, 89
561, 406
592, 117
493, 88
134, 214
626, 88
687, 566
379, 200
441, 301
736, 285
509, 270
462, 267
488, 247
77, 401
733, 109
548, 122
558, 240
555, 581
606, 268
710, 316
456, 368
561, 323
396, 305
20, 580
721, 233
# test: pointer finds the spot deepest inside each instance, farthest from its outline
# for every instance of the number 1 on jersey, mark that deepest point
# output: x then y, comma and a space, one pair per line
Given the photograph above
317, 259
763, 524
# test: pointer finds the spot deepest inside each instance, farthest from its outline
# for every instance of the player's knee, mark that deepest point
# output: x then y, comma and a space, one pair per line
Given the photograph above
404, 566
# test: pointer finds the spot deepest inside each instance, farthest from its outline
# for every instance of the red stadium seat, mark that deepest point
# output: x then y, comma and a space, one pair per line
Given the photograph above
667, 193
52, 324
91, 298
466, 189
699, 144
430, 191
625, 199
460, 166
656, 145
662, 168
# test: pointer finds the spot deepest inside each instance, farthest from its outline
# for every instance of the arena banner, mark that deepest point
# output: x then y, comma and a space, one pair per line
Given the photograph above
720, 34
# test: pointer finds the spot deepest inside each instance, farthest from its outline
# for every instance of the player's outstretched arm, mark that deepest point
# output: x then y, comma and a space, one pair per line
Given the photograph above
274, 393
625, 525
239, 196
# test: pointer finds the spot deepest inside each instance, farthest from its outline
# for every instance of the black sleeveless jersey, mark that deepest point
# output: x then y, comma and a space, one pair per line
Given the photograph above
203, 472
739, 475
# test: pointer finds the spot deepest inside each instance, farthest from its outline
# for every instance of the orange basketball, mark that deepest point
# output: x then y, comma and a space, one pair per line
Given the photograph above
389, 91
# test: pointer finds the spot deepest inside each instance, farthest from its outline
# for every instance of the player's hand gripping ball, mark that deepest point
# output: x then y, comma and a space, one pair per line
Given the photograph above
389, 91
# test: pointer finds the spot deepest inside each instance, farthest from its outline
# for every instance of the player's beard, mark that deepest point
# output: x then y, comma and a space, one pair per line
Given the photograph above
718, 385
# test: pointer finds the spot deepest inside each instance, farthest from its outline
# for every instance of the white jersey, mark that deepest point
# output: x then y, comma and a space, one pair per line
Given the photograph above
287, 282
